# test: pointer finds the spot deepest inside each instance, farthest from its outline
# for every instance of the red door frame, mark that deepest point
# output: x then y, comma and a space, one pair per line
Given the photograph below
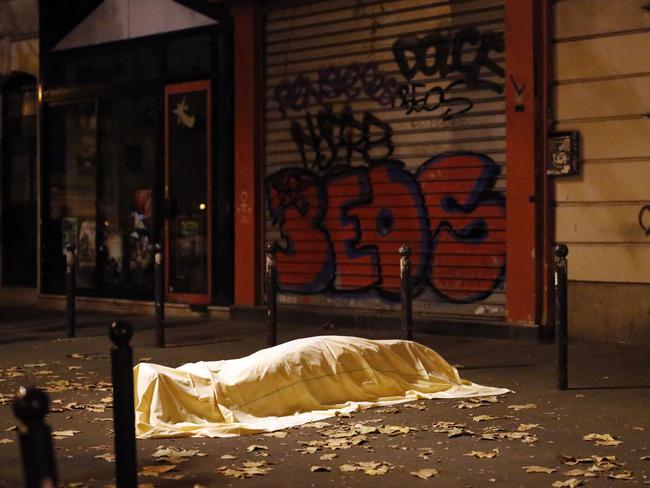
247, 196
528, 197
193, 86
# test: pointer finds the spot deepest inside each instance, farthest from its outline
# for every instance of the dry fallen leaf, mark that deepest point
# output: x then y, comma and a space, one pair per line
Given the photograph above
172, 476
572, 461
483, 455
602, 439
320, 469
483, 418
371, 468
425, 473
156, 470
248, 469
6, 441
645, 458
328, 457
316, 425
256, 447
280, 434
539, 469
527, 406
417, 406
394, 429
477, 402
228, 456
570, 483
623, 475
526, 427
64, 434
108, 456
307, 450
580, 472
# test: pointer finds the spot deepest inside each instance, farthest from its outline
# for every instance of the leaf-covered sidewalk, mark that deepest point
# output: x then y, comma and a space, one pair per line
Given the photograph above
594, 434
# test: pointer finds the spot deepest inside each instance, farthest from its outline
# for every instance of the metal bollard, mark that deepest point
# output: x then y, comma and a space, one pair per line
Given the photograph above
159, 294
560, 252
126, 471
271, 276
70, 285
406, 297
36, 449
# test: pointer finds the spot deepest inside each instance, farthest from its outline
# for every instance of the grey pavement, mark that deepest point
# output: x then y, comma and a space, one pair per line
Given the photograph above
609, 394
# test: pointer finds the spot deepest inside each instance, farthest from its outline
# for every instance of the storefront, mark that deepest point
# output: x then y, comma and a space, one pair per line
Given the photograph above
406, 122
340, 129
136, 144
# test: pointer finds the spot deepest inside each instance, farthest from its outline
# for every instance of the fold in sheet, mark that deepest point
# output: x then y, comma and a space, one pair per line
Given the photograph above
290, 384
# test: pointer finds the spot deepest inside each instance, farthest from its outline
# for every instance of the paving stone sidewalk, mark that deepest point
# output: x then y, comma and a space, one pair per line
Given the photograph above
448, 443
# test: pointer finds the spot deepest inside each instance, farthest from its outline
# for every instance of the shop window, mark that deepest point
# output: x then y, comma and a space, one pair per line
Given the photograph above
101, 157
127, 155
18, 177
71, 193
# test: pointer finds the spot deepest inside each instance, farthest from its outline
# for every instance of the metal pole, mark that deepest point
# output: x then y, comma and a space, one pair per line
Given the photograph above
126, 471
271, 295
406, 292
37, 452
159, 298
560, 253
70, 285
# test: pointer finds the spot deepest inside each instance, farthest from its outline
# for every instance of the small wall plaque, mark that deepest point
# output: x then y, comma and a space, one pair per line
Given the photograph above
563, 153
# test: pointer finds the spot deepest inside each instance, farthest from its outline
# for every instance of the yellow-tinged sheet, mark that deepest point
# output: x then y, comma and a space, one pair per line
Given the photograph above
290, 384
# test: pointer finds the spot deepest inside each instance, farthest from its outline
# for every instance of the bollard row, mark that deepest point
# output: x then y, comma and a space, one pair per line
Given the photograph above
70, 289
159, 294
31, 406
271, 286
560, 253
406, 292
126, 471
39, 466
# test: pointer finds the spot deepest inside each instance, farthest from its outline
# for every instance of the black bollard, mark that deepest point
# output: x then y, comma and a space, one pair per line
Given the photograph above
126, 471
271, 295
406, 297
70, 285
36, 448
159, 292
560, 252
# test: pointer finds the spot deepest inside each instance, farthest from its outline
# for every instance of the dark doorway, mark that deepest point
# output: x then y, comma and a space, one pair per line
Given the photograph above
18, 160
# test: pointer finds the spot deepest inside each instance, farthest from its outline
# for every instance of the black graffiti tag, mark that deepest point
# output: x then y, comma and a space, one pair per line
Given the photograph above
330, 140
413, 54
414, 97
349, 81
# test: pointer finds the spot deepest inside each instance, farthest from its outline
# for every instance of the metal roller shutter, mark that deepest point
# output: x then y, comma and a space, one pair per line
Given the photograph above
385, 125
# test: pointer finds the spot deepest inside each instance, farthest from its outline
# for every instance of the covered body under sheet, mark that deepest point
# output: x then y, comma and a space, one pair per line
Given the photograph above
290, 384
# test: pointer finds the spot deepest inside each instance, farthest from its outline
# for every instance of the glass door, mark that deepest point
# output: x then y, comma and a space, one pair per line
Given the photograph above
188, 237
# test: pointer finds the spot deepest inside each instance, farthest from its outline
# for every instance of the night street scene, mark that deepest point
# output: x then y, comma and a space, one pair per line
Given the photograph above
324, 243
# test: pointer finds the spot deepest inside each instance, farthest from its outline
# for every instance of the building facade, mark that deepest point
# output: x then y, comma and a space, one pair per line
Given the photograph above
478, 132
